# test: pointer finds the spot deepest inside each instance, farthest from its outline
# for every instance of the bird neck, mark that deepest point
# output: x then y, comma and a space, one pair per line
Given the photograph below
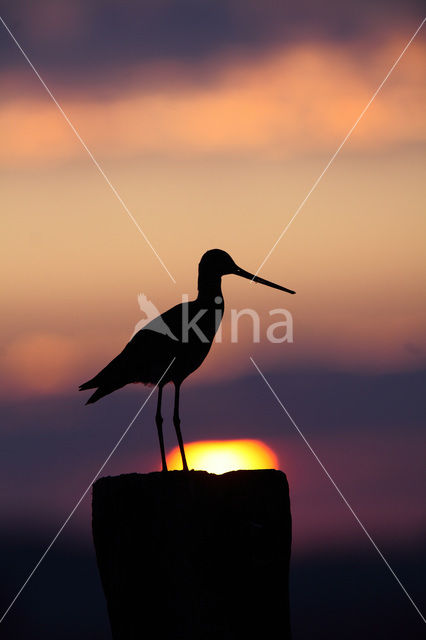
209, 286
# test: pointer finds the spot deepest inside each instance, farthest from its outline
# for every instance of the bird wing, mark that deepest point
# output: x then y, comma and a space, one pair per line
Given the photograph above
143, 359
168, 323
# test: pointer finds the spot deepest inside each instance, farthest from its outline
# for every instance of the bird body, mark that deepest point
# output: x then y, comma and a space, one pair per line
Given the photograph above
149, 353
156, 356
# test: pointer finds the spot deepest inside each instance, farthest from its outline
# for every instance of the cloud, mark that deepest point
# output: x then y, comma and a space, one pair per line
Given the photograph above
39, 363
72, 40
294, 100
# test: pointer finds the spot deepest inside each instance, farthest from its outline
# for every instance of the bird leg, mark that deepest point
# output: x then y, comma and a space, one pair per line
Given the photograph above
176, 422
159, 423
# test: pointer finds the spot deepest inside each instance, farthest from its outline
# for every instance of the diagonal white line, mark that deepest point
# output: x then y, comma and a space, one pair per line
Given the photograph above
330, 162
83, 496
339, 491
92, 157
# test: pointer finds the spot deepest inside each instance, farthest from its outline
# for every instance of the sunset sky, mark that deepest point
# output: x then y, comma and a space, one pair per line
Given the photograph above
210, 144
213, 119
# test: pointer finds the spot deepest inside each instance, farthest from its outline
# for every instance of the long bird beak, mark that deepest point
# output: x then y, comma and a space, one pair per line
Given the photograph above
245, 274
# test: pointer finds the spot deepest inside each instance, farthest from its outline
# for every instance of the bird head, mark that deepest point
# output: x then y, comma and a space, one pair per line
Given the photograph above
219, 263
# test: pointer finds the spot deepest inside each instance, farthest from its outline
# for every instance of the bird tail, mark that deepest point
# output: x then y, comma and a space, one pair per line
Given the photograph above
99, 393
112, 377
90, 384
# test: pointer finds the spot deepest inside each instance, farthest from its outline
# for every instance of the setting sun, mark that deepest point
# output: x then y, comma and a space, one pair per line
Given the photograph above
220, 456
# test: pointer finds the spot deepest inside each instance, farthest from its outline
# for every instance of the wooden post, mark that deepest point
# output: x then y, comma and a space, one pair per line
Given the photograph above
193, 555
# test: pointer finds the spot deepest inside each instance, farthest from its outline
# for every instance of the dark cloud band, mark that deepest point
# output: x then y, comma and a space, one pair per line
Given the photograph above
94, 38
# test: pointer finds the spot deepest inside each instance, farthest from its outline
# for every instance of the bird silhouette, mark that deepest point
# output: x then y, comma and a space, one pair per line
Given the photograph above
154, 357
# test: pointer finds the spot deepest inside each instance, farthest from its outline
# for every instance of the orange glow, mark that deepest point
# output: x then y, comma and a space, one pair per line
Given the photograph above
74, 262
220, 456
297, 99
41, 363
